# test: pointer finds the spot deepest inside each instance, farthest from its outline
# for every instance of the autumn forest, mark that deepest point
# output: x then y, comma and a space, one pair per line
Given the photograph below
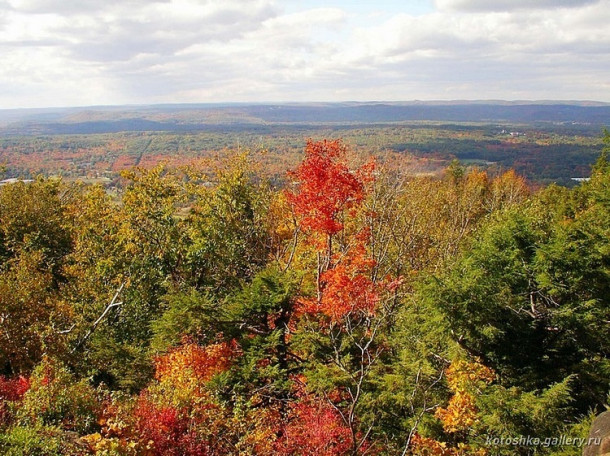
347, 307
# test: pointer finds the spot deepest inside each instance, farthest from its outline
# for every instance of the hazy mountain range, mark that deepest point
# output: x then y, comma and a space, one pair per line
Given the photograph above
192, 117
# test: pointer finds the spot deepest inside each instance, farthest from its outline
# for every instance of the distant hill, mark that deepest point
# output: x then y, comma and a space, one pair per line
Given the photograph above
203, 117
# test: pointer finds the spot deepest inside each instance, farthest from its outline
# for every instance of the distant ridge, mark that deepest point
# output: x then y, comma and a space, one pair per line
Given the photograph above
204, 116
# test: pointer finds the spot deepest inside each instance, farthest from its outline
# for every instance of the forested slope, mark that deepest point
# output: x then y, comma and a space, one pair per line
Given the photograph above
356, 310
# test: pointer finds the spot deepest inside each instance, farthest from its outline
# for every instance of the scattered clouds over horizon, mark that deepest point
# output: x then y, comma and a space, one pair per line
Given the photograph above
508, 5
57, 53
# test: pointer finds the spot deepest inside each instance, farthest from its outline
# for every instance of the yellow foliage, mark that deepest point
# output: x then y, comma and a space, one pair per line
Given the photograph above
465, 379
460, 414
466, 376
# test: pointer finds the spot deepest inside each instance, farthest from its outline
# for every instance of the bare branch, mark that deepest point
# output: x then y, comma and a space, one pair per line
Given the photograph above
112, 305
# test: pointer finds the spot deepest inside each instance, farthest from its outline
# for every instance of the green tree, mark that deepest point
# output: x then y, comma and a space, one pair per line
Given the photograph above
259, 317
529, 296
30, 316
126, 258
35, 241
33, 217
226, 231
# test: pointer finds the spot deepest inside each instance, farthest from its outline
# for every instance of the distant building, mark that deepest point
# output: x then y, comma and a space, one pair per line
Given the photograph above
581, 179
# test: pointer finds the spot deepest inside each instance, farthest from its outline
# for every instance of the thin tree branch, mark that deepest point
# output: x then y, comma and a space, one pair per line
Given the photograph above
112, 304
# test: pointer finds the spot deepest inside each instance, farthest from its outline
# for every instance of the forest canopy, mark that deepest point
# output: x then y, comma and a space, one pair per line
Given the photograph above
356, 309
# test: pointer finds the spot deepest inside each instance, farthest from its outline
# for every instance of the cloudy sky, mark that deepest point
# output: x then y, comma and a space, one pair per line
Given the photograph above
93, 52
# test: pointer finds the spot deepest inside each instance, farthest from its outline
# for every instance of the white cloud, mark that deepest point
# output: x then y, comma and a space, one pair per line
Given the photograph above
508, 5
75, 7
141, 51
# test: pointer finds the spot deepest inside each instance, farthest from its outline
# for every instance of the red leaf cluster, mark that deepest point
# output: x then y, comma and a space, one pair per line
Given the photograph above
325, 187
167, 432
314, 428
13, 389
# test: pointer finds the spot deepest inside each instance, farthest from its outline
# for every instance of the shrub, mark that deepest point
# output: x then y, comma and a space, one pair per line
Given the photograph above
56, 398
39, 441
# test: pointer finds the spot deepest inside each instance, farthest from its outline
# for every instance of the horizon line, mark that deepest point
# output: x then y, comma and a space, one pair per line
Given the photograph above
438, 102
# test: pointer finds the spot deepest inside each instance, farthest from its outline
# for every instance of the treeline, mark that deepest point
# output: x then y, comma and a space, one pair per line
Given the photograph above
355, 311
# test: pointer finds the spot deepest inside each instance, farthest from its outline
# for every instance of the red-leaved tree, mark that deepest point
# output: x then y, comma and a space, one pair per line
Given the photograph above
178, 415
326, 187
351, 305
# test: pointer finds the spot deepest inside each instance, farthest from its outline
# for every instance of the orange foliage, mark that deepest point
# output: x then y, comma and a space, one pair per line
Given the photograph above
347, 288
190, 364
429, 447
325, 187
460, 414
327, 194
178, 415
465, 375
465, 379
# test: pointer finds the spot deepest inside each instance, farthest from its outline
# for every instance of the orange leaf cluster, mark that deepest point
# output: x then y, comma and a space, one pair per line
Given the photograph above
465, 379
193, 362
465, 375
460, 414
347, 288
429, 447
326, 187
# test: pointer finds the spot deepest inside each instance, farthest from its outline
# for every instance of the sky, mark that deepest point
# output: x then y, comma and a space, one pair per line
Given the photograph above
106, 52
